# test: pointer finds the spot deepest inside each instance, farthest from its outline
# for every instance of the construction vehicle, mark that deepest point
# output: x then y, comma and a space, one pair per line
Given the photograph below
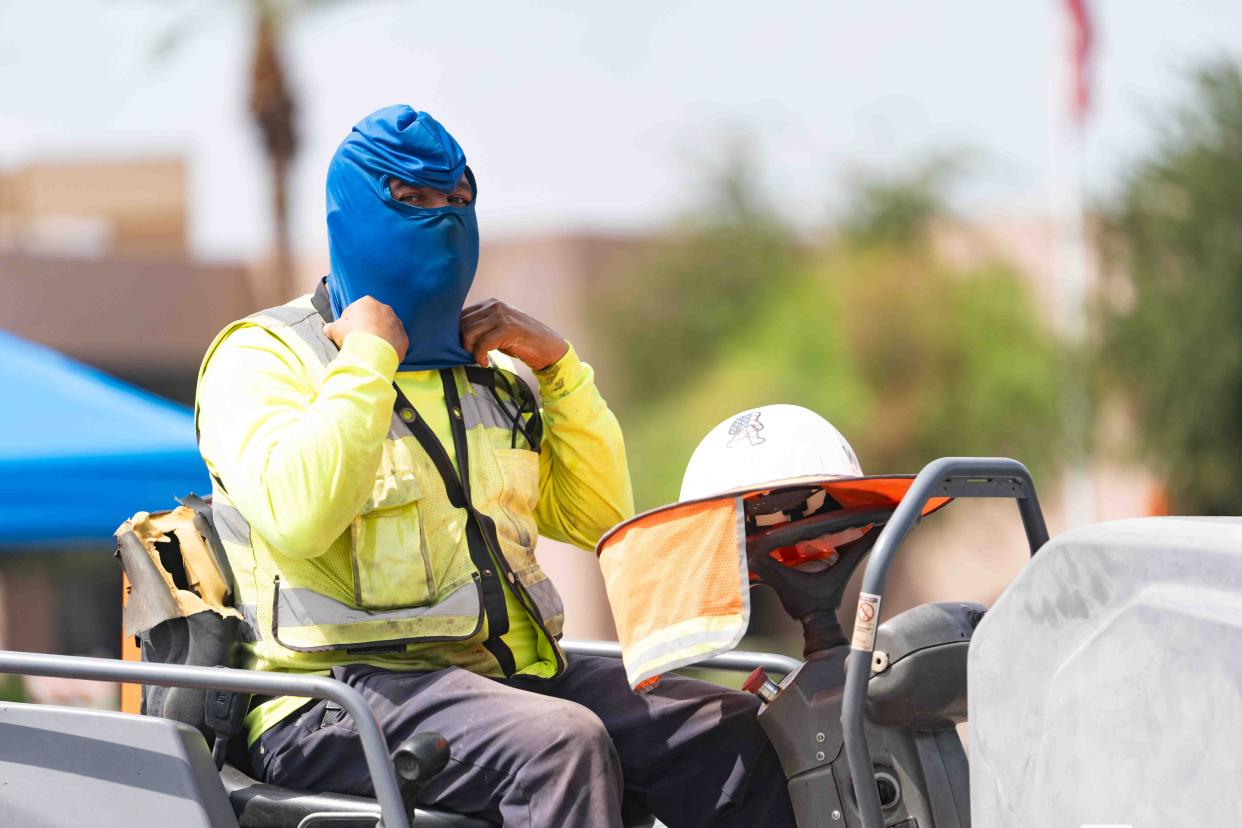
1102, 692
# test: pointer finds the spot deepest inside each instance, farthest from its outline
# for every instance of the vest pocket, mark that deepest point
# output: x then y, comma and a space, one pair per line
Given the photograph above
519, 470
396, 483
391, 568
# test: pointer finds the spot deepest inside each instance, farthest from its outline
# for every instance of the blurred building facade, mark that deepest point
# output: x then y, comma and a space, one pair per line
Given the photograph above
94, 262
96, 208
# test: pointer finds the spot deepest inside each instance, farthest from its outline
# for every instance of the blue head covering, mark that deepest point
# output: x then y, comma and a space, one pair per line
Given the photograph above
418, 261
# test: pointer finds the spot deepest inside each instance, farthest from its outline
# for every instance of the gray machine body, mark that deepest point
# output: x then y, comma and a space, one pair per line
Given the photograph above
918, 669
61, 766
1106, 682
917, 756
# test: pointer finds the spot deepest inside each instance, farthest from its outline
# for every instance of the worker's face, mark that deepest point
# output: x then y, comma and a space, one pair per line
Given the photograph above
427, 197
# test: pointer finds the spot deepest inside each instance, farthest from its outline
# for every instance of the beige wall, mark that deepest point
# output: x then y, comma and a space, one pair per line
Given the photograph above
139, 318
28, 602
119, 207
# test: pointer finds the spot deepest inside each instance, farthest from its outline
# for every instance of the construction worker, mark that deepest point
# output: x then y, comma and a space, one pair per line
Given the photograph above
381, 477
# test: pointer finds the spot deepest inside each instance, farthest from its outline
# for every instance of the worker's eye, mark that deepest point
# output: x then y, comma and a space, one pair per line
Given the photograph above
407, 193
458, 201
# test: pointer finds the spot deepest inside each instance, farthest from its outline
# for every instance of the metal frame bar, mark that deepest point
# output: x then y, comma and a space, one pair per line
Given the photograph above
739, 660
374, 746
947, 477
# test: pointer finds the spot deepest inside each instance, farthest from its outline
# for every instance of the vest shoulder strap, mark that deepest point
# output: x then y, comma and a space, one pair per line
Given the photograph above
305, 322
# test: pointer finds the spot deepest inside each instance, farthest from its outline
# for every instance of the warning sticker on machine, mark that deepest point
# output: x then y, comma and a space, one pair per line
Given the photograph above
865, 621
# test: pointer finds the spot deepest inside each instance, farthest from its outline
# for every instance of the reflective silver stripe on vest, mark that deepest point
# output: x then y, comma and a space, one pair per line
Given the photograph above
311, 331
713, 637
397, 428
230, 524
249, 631
546, 599
297, 607
308, 325
481, 408
286, 314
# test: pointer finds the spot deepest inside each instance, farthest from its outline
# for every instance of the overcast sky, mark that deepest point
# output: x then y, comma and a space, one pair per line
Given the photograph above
598, 115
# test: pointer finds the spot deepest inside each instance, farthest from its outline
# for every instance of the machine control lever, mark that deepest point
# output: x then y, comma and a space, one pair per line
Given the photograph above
417, 760
762, 686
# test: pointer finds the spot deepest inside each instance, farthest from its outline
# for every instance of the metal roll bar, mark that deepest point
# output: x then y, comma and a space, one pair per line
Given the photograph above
740, 660
374, 746
958, 477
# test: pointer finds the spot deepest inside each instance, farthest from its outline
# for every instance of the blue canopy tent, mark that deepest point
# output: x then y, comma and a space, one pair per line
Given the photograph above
80, 451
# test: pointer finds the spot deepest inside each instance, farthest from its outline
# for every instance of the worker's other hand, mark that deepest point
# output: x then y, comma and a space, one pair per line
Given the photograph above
373, 317
492, 325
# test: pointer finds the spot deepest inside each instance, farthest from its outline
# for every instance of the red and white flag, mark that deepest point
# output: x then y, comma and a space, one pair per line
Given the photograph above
1081, 40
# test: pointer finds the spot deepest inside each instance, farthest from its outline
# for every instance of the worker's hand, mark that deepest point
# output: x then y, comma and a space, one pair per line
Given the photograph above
494, 326
373, 317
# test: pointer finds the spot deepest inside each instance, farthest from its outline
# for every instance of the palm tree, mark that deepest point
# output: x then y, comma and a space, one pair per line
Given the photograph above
273, 108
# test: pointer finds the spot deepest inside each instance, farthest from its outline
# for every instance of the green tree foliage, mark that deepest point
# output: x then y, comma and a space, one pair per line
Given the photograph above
898, 208
1174, 346
910, 357
696, 288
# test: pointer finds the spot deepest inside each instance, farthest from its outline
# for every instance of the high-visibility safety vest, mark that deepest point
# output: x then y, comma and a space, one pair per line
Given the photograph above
423, 559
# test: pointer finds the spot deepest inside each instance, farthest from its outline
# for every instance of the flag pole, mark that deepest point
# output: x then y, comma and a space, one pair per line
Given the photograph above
1074, 267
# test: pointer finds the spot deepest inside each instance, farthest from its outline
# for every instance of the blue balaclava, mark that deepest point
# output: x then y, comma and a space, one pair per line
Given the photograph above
418, 261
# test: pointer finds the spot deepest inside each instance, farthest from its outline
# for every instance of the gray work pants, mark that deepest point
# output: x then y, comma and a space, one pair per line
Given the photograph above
543, 753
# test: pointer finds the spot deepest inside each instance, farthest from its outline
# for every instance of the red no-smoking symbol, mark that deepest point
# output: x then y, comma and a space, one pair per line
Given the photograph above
866, 612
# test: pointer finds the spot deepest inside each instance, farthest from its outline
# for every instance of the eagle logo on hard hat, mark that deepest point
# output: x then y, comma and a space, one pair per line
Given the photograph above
746, 427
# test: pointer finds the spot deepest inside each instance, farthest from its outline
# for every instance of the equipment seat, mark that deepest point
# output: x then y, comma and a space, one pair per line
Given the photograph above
259, 805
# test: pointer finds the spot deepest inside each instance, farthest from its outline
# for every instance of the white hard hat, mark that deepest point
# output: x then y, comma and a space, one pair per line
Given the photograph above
764, 445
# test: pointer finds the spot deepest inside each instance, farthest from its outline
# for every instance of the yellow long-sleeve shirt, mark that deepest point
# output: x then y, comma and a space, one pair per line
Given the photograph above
299, 462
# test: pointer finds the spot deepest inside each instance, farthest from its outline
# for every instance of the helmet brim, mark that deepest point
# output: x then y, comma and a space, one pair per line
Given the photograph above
876, 491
